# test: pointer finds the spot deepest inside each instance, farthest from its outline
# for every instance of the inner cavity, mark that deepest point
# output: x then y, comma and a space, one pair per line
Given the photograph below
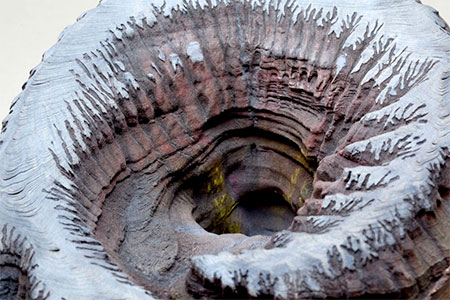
251, 183
262, 212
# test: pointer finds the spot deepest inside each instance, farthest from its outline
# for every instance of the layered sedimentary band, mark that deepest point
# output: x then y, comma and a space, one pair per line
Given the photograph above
233, 149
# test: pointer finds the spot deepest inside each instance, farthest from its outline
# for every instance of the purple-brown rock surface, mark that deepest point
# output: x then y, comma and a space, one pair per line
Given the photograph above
217, 149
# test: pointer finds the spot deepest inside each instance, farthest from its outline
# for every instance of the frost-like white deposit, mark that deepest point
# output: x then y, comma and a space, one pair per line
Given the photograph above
403, 140
194, 52
175, 61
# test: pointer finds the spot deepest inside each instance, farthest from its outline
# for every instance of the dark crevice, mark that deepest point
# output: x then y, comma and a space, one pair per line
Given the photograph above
262, 212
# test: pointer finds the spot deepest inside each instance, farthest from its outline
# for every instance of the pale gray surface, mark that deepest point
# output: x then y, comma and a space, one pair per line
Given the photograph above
29, 28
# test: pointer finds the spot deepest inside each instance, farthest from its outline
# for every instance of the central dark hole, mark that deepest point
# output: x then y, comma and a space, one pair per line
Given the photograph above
261, 212
252, 182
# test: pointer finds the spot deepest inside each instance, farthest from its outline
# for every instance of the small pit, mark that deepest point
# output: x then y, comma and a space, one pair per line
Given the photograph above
261, 212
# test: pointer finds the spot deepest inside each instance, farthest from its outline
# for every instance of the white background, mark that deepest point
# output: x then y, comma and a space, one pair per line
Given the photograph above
29, 27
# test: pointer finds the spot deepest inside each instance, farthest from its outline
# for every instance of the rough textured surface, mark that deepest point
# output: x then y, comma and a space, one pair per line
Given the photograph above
164, 149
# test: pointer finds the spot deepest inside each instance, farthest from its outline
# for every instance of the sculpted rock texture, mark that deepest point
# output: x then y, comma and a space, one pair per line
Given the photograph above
273, 149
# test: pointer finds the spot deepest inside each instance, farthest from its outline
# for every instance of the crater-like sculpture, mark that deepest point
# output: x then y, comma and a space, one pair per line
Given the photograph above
280, 149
